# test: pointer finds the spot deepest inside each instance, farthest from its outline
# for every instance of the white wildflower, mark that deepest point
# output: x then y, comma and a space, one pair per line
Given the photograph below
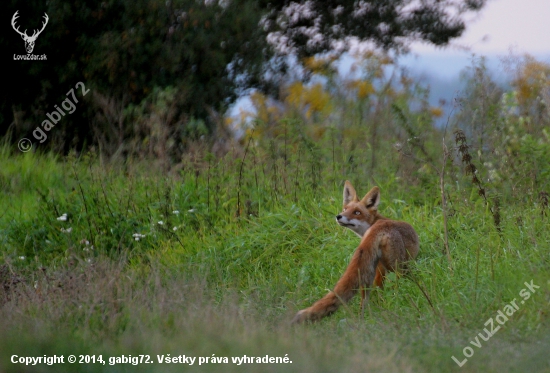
63, 217
137, 236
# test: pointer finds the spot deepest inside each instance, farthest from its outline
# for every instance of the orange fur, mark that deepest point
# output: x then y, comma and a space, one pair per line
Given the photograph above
386, 246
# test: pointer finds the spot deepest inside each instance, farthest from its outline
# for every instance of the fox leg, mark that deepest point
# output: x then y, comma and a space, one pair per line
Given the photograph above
365, 291
364, 298
371, 270
359, 275
378, 281
380, 275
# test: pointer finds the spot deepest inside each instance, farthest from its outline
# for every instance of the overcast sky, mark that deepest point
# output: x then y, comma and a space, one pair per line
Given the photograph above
523, 25
501, 24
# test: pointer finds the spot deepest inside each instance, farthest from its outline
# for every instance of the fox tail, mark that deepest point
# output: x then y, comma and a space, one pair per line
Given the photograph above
360, 272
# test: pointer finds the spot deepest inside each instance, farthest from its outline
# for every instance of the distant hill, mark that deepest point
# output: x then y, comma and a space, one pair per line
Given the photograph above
442, 71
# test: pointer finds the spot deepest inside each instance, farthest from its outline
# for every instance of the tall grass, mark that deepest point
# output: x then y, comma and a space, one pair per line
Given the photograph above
214, 256
228, 248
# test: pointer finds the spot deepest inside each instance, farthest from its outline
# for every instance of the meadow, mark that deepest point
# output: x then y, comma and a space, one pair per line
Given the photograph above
212, 257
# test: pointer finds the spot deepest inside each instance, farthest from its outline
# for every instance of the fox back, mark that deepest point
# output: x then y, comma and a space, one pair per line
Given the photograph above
386, 246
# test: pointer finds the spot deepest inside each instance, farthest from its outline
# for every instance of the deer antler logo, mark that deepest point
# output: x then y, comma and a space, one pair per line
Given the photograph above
29, 40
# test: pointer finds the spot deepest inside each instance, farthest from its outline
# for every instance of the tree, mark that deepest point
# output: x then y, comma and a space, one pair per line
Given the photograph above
123, 51
315, 26
197, 55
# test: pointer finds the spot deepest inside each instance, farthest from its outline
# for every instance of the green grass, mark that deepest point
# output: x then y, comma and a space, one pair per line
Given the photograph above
252, 245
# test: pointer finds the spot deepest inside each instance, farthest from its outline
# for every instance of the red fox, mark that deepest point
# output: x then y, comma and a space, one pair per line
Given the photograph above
386, 245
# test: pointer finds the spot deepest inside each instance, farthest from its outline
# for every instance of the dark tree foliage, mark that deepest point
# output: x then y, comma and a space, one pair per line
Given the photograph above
124, 50
313, 26
209, 51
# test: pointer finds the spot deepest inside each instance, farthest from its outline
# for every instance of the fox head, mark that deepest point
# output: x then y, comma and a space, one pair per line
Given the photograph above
359, 215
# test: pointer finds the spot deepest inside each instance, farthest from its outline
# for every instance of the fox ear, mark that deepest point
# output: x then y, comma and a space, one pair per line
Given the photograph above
372, 198
349, 193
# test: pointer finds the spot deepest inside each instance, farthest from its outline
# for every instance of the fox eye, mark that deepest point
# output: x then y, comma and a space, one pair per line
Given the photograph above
357, 212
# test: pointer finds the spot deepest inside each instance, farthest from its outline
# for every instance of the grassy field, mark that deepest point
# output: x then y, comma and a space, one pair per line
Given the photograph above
212, 259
